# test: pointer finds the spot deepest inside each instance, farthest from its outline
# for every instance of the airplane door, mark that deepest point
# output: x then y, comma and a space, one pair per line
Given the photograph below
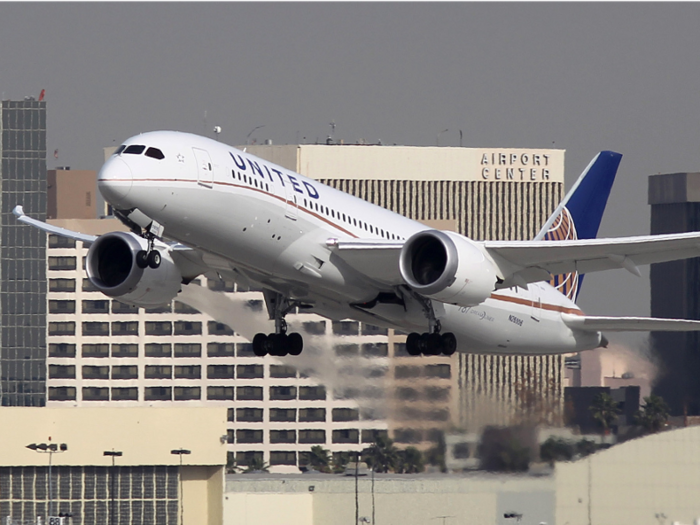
205, 171
536, 303
292, 208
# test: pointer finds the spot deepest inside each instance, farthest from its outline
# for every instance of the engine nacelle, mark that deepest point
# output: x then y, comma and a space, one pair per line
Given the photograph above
447, 267
111, 267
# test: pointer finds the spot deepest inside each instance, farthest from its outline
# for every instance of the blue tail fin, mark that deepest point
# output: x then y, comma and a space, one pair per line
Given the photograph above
578, 216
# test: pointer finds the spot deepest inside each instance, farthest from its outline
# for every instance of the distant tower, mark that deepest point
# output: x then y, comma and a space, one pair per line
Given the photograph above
22, 254
675, 208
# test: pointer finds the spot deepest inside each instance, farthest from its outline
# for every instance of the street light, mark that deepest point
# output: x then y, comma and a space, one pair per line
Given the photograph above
180, 452
49, 448
113, 454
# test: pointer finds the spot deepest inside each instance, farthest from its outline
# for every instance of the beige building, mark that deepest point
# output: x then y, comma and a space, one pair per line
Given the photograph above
71, 194
141, 482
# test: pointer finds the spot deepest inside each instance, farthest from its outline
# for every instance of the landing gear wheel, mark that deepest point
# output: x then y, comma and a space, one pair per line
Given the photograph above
295, 343
141, 259
154, 259
413, 344
260, 345
449, 343
279, 344
433, 343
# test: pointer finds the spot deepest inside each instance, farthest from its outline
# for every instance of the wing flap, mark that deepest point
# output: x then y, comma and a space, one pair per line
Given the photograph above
628, 324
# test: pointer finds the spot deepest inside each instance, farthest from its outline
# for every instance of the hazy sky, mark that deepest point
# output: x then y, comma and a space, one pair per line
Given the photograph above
582, 77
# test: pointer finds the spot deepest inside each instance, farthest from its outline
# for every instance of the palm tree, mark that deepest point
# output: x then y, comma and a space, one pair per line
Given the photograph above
605, 411
410, 461
256, 464
654, 414
340, 461
319, 459
382, 455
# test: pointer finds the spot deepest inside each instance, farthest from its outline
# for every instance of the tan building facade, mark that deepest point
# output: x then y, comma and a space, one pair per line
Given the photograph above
71, 194
146, 483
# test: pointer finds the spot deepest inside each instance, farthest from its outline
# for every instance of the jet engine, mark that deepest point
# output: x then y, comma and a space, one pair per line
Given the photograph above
447, 267
112, 267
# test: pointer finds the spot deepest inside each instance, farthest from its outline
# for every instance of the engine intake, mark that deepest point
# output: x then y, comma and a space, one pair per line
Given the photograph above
111, 267
447, 267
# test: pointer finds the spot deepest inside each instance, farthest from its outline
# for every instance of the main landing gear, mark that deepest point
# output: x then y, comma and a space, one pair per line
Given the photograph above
150, 258
279, 343
431, 342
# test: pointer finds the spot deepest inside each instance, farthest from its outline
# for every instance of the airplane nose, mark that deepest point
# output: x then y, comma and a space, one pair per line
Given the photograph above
114, 181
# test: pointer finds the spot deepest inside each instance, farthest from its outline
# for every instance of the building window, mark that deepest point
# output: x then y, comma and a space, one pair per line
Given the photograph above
61, 350
407, 394
346, 436
249, 436
407, 372
375, 350
245, 350
345, 414
249, 393
158, 350
125, 372
283, 393
408, 435
230, 414
187, 393
312, 393
256, 305
220, 372
433, 393
220, 393
188, 372
188, 328
159, 328
283, 414
282, 371
312, 436
312, 414
158, 393
221, 349
159, 372
62, 263
58, 241
283, 436
61, 285
95, 328
370, 435
162, 309
88, 286
123, 308
188, 350
346, 327
62, 328
350, 350
62, 393
95, 394
61, 307
125, 394
96, 307
61, 372
95, 372
250, 371
370, 329
249, 415
125, 350
215, 328
249, 457
220, 286
182, 308
278, 457
98, 350
439, 371
125, 328
230, 436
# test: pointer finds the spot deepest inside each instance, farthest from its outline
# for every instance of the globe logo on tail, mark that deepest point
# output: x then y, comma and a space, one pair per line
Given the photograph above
563, 229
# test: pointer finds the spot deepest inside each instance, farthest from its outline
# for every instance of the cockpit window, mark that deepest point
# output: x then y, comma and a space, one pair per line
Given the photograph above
155, 153
135, 149
120, 149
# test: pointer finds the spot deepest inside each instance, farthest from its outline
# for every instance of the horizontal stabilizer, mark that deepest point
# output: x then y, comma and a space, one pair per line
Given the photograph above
629, 324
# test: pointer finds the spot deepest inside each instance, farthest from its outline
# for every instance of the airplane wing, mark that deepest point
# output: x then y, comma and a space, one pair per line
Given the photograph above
531, 261
18, 211
375, 258
628, 324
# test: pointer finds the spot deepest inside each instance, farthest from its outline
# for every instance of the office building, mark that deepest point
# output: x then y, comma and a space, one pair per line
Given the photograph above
675, 208
22, 254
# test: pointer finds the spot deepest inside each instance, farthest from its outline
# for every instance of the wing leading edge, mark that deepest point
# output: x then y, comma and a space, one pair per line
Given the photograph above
628, 324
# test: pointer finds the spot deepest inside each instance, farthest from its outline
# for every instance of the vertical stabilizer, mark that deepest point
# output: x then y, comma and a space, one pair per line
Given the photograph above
578, 216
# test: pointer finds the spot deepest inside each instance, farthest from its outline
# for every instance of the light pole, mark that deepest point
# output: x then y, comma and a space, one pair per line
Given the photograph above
113, 454
49, 448
180, 452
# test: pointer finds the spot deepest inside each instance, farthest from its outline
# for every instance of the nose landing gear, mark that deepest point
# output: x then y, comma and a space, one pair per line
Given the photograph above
150, 258
279, 343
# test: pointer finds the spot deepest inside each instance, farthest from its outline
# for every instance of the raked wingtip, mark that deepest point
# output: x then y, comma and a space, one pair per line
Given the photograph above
18, 211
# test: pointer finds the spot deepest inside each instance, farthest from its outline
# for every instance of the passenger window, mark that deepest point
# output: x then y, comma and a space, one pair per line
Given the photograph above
155, 153
135, 149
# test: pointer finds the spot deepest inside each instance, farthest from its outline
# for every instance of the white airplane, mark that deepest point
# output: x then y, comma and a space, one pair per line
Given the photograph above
196, 206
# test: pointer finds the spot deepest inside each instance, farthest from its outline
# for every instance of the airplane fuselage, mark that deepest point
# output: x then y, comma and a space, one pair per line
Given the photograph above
261, 223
